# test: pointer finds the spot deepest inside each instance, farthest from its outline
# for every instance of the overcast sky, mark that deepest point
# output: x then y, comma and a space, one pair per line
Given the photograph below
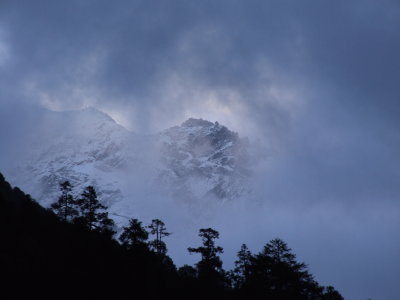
317, 82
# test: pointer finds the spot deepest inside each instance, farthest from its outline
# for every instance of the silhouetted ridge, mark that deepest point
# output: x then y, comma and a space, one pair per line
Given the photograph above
45, 257
36, 245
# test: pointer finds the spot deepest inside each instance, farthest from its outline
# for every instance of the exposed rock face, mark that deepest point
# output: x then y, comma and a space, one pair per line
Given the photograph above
204, 159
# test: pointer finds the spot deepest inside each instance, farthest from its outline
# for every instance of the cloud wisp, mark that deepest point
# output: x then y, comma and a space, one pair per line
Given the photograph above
315, 82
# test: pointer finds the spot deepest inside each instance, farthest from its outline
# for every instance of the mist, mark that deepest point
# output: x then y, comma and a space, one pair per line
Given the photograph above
314, 86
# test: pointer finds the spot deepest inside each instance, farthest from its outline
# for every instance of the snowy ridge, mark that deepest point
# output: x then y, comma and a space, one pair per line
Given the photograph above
203, 159
85, 147
196, 160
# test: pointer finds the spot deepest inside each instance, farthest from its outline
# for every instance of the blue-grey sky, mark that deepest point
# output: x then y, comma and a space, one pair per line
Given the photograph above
317, 82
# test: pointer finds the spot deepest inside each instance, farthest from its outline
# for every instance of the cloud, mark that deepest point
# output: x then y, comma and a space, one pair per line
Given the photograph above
315, 82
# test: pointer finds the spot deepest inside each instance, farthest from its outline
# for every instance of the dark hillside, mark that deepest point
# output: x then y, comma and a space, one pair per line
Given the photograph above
36, 247
42, 257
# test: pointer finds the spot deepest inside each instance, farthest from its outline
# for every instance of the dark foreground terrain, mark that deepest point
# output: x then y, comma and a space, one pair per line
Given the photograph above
46, 254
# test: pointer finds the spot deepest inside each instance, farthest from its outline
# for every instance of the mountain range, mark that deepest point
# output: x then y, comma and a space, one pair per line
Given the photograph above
191, 163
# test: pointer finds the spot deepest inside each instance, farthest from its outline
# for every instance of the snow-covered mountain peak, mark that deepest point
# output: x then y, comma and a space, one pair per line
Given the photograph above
204, 159
191, 122
195, 161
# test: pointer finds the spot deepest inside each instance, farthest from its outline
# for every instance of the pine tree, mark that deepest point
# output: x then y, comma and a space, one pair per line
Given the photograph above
275, 274
157, 228
240, 272
209, 268
92, 214
64, 208
134, 236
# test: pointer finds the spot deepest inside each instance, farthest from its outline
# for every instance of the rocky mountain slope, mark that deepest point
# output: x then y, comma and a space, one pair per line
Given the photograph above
204, 159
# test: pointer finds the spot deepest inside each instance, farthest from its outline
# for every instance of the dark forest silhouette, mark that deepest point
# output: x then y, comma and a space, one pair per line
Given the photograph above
73, 247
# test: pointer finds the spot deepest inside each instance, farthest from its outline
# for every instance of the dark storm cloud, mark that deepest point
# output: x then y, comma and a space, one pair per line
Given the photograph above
93, 52
317, 81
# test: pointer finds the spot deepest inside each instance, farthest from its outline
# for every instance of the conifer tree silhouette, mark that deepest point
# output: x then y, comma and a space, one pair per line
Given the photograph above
93, 214
240, 272
134, 235
157, 228
209, 268
65, 207
275, 274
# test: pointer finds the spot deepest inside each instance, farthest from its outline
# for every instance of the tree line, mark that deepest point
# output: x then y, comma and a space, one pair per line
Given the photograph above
74, 246
274, 273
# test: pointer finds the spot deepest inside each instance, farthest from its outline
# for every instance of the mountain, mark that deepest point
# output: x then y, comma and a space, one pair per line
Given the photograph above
204, 159
85, 147
192, 162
